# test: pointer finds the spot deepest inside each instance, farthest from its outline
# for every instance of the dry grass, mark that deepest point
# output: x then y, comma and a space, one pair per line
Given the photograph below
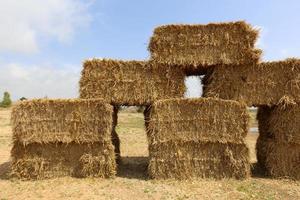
198, 47
131, 181
130, 82
263, 84
200, 137
54, 138
278, 146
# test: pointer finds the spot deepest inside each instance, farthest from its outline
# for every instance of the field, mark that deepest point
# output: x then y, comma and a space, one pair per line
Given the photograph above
131, 181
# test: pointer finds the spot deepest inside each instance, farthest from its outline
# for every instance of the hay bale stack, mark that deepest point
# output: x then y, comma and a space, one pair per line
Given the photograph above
197, 47
278, 146
114, 136
256, 85
198, 138
62, 137
130, 83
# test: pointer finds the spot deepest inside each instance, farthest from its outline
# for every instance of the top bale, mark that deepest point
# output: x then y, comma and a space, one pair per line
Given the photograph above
54, 121
196, 47
131, 83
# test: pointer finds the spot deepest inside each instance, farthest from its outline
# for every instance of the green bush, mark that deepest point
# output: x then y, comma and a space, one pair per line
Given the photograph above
6, 102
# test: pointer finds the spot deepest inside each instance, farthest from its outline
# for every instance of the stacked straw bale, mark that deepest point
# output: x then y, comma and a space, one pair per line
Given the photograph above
197, 47
197, 138
130, 83
115, 137
54, 138
256, 85
278, 146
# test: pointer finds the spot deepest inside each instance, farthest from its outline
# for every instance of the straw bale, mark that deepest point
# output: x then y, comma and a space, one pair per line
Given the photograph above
280, 122
284, 123
186, 160
281, 160
197, 47
41, 161
47, 121
197, 138
262, 84
198, 119
130, 83
114, 135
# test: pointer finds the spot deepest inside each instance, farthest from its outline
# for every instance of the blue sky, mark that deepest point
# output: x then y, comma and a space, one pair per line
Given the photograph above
43, 43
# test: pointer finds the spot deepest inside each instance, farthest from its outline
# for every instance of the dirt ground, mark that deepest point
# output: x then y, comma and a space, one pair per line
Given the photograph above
131, 181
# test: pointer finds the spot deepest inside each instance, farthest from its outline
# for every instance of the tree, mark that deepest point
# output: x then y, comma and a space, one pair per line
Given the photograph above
6, 102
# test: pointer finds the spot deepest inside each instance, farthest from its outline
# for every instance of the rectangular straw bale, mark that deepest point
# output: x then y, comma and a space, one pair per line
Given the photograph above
198, 119
130, 83
212, 137
262, 84
284, 122
46, 121
280, 122
281, 160
114, 136
278, 145
196, 47
198, 160
41, 161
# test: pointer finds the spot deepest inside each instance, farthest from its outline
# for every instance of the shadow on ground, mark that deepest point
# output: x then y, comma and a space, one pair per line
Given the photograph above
133, 168
257, 171
4, 170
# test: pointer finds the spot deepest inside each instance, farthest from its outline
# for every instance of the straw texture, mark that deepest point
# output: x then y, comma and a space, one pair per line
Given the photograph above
53, 138
44, 121
196, 47
203, 137
41, 161
130, 83
262, 84
278, 147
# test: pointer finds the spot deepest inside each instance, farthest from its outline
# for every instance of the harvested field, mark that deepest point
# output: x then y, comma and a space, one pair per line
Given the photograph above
207, 133
198, 47
130, 82
131, 181
53, 138
256, 85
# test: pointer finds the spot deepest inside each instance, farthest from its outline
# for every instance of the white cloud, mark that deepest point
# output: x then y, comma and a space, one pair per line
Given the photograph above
39, 81
23, 22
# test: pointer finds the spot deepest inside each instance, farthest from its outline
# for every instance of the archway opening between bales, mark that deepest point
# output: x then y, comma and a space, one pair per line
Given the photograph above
130, 134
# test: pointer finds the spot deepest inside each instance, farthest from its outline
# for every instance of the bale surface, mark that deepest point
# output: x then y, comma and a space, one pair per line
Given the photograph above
284, 123
41, 161
202, 138
262, 84
195, 47
198, 160
130, 83
281, 122
281, 160
47, 121
114, 136
198, 119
